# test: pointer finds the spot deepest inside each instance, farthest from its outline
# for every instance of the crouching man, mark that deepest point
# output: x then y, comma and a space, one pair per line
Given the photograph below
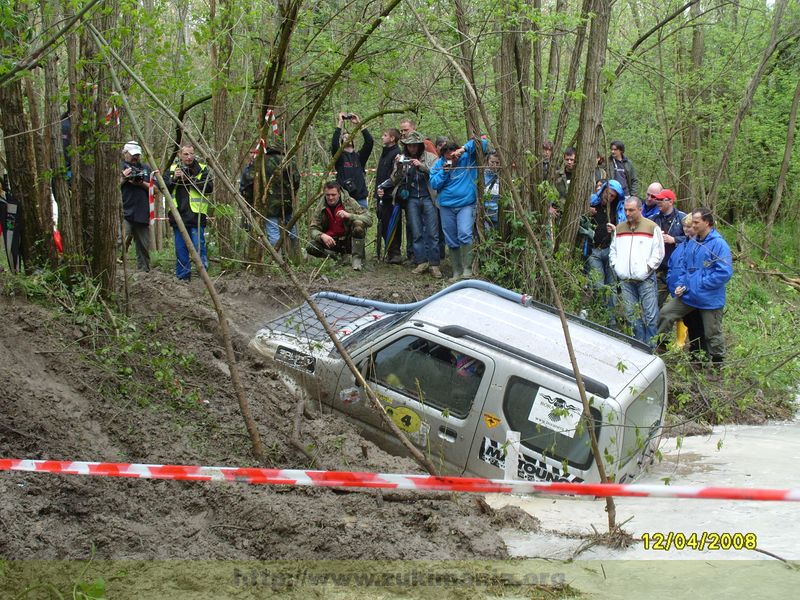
338, 226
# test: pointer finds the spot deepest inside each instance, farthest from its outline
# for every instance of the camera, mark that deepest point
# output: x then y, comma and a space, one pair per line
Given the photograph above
137, 173
386, 185
448, 163
403, 159
347, 116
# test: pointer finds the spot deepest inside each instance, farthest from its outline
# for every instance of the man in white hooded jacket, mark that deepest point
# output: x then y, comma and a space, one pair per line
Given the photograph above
635, 253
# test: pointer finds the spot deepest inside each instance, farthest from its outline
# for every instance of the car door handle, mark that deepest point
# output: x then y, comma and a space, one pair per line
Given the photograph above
448, 434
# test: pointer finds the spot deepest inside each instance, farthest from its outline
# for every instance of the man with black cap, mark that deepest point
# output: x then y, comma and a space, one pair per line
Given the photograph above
134, 184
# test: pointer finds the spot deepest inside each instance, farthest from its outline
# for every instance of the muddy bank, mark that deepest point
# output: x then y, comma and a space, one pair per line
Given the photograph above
155, 390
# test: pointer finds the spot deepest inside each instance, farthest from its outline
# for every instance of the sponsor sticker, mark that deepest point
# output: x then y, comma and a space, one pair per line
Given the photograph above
528, 467
556, 412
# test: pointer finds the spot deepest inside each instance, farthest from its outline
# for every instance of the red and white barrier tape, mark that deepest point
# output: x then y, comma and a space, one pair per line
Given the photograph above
272, 121
151, 196
389, 481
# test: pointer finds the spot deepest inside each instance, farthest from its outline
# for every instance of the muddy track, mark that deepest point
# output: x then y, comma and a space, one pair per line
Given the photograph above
61, 402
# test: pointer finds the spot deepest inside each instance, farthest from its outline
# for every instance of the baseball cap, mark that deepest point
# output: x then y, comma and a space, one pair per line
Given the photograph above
665, 195
132, 148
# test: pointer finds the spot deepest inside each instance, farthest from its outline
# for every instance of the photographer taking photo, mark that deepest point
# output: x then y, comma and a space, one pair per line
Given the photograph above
189, 182
351, 164
134, 179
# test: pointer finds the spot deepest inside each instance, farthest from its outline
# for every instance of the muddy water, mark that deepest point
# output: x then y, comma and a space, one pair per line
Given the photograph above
738, 456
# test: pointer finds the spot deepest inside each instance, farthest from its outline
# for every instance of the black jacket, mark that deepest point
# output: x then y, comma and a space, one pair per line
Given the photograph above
386, 165
135, 198
350, 165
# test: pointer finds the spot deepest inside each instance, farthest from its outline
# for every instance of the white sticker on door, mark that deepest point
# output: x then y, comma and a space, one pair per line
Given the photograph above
555, 412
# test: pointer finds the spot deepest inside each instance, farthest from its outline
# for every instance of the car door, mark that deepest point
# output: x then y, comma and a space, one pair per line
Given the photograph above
433, 388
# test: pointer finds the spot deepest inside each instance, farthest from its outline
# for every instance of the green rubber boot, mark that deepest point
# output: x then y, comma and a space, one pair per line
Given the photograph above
455, 260
466, 257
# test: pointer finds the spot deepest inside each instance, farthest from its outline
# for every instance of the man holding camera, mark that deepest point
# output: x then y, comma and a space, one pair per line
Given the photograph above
351, 164
134, 183
189, 182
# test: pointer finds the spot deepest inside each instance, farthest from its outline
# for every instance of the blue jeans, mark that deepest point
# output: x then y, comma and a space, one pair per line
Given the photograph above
423, 217
640, 300
363, 204
603, 279
183, 264
274, 225
457, 223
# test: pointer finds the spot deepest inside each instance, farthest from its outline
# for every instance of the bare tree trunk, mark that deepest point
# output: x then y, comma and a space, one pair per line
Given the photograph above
221, 50
747, 100
572, 78
273, 80
70, 211
538, 109
54, 155
465, 51
787, 157
107, 198
42, 184
690, 183
19, 140
36, 247
589, 122
553, 71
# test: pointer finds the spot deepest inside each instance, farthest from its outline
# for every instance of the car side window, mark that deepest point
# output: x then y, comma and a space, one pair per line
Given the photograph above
429, 372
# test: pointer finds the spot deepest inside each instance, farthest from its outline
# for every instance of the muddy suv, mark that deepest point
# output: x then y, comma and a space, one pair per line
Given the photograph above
459, 370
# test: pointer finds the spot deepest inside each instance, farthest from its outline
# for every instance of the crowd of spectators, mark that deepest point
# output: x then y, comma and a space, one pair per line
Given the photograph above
651, 265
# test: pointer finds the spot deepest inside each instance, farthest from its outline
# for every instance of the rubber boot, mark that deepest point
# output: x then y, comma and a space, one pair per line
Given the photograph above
466, 258
455, 260
681, 334
358, 254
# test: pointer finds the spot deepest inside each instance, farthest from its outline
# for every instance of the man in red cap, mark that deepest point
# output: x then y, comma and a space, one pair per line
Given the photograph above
670, 220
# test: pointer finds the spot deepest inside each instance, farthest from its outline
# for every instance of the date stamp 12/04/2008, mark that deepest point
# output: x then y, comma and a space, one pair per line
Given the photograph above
706, 540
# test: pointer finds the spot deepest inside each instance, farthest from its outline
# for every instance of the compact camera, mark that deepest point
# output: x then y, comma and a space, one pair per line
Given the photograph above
403, 159
347, 116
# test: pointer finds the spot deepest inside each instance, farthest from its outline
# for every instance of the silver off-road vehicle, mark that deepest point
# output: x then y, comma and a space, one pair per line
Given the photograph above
459, 370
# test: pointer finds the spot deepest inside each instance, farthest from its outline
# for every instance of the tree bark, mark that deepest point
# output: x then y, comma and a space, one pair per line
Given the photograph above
70, 211
54, 155
787, 157
22, 175
221, 51
572, 78
553, 72
589, 122
690, 182
465, 51
107, 196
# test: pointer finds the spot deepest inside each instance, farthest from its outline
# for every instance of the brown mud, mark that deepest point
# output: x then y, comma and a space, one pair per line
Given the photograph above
71, 390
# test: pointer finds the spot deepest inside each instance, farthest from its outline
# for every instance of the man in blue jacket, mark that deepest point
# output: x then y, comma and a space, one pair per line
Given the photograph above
705, 268
454, 177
